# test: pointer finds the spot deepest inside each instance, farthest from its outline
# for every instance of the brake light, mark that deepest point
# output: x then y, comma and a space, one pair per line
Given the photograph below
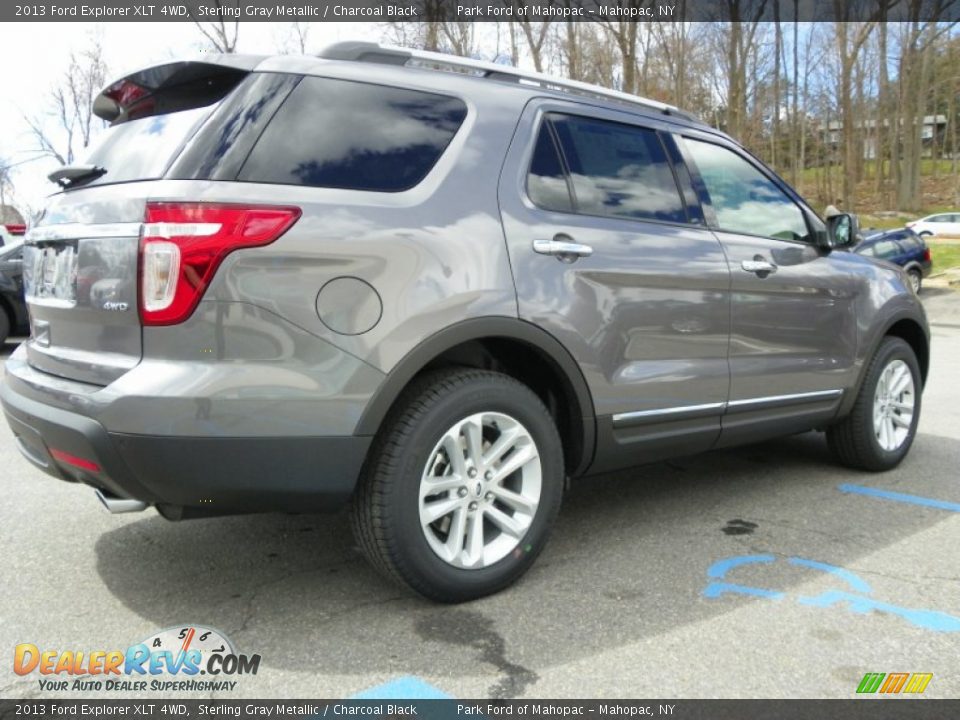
183, 244
926, 254
16, 229
126, 93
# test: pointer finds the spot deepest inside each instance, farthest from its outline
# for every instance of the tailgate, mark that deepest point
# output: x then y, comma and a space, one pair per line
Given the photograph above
81, 289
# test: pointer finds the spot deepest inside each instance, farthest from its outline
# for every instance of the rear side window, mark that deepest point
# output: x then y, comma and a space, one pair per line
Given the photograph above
618, 170
910, 241
886, 249
356, 136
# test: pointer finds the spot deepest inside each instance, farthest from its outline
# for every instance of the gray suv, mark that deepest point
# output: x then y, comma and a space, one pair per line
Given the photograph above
434, 289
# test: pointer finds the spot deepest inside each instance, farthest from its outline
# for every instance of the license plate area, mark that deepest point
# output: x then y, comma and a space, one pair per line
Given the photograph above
53, 279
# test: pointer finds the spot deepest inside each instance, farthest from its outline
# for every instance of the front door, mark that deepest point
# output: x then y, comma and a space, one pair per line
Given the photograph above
793, 321
611, 258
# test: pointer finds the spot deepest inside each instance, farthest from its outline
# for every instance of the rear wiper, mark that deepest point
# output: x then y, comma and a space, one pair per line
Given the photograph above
72, 175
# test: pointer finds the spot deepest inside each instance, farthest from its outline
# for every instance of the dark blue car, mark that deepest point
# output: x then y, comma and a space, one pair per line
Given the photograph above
901, 247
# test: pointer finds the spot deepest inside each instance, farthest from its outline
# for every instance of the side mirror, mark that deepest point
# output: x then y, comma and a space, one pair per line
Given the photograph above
843, 230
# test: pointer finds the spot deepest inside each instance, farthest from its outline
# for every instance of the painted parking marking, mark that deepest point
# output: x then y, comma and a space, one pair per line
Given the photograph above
899, 497
409, 687
858, 602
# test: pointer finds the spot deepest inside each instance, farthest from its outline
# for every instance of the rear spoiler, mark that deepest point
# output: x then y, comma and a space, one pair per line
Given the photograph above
179, 85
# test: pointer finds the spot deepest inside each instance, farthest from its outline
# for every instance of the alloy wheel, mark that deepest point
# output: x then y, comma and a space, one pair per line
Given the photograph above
480, 490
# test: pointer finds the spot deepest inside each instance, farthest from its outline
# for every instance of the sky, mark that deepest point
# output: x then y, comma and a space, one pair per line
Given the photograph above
33, 56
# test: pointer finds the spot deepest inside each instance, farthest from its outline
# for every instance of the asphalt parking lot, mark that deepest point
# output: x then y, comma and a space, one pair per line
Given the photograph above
758, 572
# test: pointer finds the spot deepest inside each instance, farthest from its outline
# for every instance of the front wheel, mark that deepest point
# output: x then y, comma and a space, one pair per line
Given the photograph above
878, 432
462, 485
916, 280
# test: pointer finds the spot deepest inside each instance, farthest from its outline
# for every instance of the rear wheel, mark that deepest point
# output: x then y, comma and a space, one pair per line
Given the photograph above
4, 325
916, 280
878, 432
462, 485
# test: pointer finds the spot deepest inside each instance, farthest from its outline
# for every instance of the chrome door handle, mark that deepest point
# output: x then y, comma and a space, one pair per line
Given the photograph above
563, 247
759, 265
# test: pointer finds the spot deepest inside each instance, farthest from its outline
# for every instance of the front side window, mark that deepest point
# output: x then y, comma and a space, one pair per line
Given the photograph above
356, 136
618, 170
744, 199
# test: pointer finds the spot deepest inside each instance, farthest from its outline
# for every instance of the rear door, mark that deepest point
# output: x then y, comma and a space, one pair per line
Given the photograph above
612, 259
793, 336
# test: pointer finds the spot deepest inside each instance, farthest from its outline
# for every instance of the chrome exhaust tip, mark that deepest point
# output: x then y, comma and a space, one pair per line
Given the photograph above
120, 505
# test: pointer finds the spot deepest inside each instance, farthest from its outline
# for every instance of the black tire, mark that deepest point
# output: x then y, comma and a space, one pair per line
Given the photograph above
916, 277
385, 510
4, 325
853, 439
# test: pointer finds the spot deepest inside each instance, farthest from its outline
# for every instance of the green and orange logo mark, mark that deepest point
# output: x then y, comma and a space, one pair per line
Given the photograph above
894, 683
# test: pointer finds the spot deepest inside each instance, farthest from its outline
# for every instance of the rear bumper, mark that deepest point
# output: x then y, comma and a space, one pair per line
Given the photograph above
184, 476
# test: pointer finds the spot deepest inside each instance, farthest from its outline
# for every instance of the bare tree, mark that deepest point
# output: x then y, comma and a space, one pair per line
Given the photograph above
69, 124
737, 38
6, 184
625, 33
221, 35
535, 33
426, 34
460, 38
296, 39
850, 40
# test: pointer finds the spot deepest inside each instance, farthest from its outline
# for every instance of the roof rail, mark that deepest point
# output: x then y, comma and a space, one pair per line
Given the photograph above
357, 51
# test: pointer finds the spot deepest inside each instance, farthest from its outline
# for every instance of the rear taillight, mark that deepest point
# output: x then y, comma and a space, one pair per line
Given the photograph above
926, 254
16, 229
183, 244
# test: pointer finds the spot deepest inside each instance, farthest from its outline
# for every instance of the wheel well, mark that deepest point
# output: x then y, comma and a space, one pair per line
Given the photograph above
538, 371
911, 333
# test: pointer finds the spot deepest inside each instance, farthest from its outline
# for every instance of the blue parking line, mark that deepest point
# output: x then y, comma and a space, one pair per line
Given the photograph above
900, 497
721, 567
409, 687
854, 581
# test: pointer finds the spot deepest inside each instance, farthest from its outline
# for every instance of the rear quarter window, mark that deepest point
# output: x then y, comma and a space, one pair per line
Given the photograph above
909, 241
357, 136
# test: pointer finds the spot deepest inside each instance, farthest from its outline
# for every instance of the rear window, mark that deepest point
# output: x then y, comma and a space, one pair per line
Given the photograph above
143, 149
356, 136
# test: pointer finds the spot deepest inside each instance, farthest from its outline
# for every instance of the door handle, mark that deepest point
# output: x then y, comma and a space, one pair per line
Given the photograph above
563, 248
759, 266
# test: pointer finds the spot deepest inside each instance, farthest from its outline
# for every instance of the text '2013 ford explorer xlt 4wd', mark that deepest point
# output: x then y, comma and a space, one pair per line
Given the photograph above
286, 284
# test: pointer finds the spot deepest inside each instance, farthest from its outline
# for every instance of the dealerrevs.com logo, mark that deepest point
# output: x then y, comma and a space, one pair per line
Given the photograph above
178, 659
